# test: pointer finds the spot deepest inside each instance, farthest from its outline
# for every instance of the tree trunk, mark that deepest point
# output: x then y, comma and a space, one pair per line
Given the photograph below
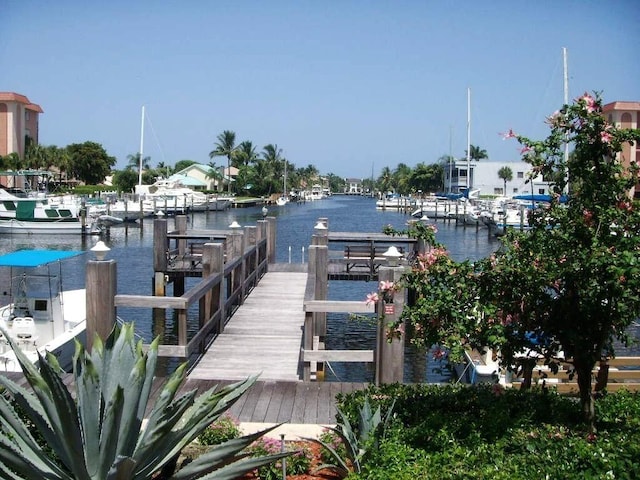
527, 373
583, 370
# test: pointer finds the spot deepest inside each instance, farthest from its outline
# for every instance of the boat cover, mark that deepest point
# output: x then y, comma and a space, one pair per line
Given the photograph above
35, 258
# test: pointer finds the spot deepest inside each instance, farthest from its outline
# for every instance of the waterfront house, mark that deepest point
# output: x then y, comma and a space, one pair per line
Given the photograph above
484, 177
353, 186
18, 120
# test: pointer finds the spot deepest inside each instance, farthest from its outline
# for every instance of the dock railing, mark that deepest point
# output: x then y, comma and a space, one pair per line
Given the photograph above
388, 356
229, 270
610, 374
316, 307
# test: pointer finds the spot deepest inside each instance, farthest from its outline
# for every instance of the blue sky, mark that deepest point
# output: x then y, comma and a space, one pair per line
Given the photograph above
348, 86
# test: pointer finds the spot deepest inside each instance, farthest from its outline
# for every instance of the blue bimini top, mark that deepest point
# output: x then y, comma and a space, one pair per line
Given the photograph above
35, 258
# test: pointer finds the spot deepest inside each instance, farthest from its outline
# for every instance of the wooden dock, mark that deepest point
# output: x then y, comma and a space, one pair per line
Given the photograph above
263, 336
282, 401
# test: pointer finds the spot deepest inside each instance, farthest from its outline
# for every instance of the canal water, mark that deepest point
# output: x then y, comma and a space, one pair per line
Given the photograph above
132, 245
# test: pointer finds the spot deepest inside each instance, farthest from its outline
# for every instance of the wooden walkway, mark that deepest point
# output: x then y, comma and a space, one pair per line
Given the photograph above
288, 402
263, 336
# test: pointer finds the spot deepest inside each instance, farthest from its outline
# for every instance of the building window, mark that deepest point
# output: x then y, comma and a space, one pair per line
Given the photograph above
520, 174
541, 191
27, 115
515, 190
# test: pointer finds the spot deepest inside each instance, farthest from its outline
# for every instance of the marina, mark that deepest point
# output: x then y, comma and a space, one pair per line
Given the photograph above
132, 248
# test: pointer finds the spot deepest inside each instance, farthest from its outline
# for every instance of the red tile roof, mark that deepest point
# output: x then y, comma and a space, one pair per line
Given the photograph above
16, 97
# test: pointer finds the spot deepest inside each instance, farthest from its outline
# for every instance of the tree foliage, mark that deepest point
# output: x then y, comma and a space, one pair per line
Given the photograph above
567, 288
89, 162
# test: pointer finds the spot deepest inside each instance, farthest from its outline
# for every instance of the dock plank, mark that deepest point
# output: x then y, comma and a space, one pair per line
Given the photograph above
263, 336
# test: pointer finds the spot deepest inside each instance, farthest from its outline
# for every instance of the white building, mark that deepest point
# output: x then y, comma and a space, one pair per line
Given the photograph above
353, 186
484, 177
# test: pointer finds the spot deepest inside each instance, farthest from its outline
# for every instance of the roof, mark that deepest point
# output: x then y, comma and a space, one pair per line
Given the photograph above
187, 181
18, 98
35, 258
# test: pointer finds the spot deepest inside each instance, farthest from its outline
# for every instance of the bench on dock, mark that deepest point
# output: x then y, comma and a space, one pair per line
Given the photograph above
368, 256
611, 375
190, 259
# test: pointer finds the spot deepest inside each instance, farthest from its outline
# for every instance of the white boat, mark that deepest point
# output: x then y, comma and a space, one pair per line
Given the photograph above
317, 192
171, 196
394, 201
129, 210
40, 316
480, 367
26, 215
436, 207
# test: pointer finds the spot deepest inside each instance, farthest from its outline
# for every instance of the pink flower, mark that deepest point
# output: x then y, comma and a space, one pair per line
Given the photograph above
508, 134
525, 149
589, 102
554, 118
605, 137
372, 298
439, 354
386, 286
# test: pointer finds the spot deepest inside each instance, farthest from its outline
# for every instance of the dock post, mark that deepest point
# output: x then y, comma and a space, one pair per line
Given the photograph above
389, 354
160, 247
213, 264
235, 249
251, 264
271, 239
101, 290
261, 233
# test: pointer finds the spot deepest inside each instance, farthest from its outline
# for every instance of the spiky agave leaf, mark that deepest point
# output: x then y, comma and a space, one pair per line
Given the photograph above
173, 427
93, 435
56, 413
226, 460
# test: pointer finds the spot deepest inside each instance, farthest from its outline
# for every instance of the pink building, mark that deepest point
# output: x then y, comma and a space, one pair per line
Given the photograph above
18, 119
625, 115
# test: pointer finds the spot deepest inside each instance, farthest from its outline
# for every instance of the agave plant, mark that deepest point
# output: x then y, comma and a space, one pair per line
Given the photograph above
99, 434
356, 442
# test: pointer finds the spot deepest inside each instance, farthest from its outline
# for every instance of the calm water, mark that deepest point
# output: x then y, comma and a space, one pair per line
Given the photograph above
131, 247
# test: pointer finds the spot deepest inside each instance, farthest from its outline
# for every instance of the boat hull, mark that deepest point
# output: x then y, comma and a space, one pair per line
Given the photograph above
13, 227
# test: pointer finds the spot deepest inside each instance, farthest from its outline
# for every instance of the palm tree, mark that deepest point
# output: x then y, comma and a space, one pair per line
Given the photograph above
225, 147
477, 153
385, 180
246, 154
215, 174
134, 161
506, 174
272, 156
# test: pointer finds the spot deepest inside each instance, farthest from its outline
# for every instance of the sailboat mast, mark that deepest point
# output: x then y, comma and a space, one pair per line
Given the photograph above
141, 147
468, 138
566, 102
450, 155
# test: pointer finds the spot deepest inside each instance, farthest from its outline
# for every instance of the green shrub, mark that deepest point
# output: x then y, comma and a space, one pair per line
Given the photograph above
451, 432
297, 463
223, 429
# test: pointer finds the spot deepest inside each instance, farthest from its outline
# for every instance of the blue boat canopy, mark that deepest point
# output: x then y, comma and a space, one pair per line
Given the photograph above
539, 198
35, 258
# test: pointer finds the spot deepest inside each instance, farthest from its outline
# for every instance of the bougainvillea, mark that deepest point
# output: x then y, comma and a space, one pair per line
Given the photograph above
569, 286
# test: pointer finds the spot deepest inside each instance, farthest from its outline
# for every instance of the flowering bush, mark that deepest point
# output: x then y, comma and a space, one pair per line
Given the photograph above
297, 463
223, 429
567, 286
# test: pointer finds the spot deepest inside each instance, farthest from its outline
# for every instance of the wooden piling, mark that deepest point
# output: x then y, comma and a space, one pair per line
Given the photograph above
271, 239
101, 279
389, 355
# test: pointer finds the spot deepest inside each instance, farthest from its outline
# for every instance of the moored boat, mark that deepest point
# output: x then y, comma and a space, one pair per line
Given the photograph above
28, 215
40, 316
